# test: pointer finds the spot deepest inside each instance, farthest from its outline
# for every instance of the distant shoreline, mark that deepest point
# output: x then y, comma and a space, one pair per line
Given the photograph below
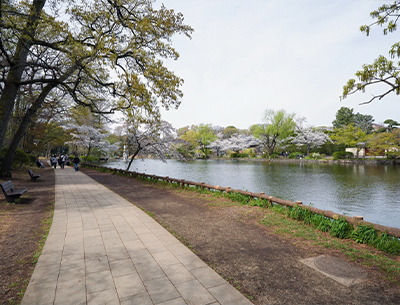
331, 161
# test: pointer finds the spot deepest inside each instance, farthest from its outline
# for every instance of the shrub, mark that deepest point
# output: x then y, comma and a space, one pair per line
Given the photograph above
91, 159
341, 228
324, 224
274, 156
387, 243
342, 155
294, 155
298, 213
315, 156
20, 157
239, 155
32, 158
364, 234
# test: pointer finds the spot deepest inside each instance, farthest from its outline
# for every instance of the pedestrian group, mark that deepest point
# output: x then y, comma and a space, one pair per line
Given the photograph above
64, 159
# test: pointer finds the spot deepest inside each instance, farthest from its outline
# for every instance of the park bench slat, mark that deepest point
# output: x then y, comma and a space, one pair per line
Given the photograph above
33, 177
9, 192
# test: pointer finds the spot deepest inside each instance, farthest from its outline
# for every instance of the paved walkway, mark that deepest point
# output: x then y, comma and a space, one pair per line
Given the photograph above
101, 249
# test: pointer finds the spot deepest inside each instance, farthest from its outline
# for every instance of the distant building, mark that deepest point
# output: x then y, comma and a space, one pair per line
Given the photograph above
361, 152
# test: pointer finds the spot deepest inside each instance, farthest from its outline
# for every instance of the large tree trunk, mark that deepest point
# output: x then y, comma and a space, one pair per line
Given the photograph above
17, 66
6, 164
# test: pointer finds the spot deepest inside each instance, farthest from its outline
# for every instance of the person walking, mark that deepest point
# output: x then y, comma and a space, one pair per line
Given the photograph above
62, 161
53, 161
76, 163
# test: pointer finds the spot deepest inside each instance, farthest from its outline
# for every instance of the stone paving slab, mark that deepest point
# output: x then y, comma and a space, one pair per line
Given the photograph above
101, 249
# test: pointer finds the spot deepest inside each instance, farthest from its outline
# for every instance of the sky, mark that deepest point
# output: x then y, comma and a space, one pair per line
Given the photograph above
246, 56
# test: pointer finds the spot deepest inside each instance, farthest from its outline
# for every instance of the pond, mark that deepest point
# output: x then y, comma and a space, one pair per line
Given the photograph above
369, 190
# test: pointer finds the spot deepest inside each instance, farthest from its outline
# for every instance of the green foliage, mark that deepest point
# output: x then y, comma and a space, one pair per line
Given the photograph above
293, 155
109, 56
298, 213
91, 159
32, 158
239, 155
344, 117
324, 224
277, 208
278, 126
364, 234
386, 143
349, 135
197, 136
230, 131
341, 228
20, 157
337, 155
364, 122
242, 199
382, 72
387, 243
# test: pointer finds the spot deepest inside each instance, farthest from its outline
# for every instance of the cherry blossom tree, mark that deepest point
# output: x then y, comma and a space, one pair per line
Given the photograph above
235, 143
309, 136
157, 139
89, 137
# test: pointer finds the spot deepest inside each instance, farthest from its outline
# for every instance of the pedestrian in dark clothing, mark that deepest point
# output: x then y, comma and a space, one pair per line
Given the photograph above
53, 161
76, 163
62, 161
39, 163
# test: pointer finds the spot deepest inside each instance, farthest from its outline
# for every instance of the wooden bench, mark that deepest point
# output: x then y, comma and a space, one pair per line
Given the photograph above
33, 177
9, 192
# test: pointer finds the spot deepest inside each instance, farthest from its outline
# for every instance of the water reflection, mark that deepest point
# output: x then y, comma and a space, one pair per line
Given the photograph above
352, 189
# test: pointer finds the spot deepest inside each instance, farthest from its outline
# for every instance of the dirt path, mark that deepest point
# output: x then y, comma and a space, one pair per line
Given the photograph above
260, 263
21, 230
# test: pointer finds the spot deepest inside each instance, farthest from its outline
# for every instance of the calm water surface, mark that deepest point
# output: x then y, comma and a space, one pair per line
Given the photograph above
372, 191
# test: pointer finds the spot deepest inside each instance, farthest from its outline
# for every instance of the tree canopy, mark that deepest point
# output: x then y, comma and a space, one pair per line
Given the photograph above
383, 70
104, 55
351, 136
345, 116
278, 126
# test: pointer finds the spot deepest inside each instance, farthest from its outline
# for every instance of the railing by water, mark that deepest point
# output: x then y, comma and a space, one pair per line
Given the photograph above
355, 220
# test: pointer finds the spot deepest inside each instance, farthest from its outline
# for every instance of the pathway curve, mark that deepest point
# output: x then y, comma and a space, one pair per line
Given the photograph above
101, 249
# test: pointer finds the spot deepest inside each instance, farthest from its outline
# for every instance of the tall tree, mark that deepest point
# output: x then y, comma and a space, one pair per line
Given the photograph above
351, 136
204, 136
235, 143
230, 131
278, 126
392, 124
310, 137
89, 137
364, 121
109, 51
157, 139
382, 71
387, 143
344, 117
